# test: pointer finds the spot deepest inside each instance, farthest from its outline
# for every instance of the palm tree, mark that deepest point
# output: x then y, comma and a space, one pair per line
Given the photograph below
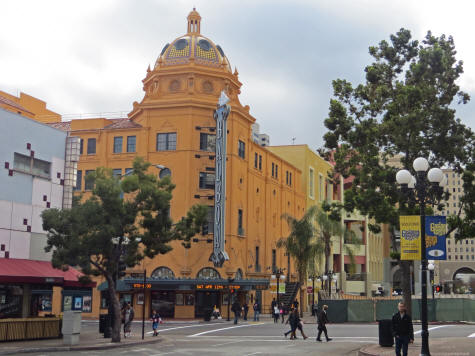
328, 227
301, 244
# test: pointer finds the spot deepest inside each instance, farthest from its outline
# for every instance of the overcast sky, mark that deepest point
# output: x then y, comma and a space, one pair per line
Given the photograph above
90, 56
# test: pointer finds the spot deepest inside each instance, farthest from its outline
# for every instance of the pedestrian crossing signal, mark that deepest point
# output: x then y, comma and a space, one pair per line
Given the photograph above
438, 288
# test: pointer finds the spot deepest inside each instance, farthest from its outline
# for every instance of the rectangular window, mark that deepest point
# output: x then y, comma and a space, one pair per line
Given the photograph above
30, 165
260, 162
273, 169
257, 267
81, 145
207, 180
118, 144
78, 180
166, 141
287, 177
88, 185
240, 228
207, 142
241, 149
131, 140
274, 261
208, 227
117, 173
91, 146
311, 183
128, 171
276, 171
321, 187
290, 178
256, 160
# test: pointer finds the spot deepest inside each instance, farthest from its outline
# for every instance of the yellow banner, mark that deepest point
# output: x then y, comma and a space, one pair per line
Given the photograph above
410, 237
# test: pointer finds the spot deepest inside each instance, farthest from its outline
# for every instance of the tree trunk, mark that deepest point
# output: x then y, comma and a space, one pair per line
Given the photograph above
327, 261
301, 286
406, 285
116, 318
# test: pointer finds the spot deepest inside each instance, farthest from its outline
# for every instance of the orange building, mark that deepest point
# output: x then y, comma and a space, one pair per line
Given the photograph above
173, 127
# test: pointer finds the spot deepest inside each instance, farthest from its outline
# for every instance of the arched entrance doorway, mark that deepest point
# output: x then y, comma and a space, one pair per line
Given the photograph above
207, 299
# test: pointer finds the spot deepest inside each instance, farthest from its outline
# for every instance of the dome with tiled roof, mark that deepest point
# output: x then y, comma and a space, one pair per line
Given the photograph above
193, 47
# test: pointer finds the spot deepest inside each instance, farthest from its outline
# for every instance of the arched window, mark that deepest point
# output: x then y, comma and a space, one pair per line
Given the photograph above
238, 274
208, 273
163, 273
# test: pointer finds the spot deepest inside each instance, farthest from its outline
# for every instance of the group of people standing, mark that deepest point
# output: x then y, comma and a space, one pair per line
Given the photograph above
239, 309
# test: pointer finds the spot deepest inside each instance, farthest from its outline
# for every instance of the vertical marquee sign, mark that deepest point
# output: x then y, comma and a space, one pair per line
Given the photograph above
219, 254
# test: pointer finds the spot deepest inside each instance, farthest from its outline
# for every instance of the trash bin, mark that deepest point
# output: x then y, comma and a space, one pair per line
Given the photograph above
385, 333
105, 325
207, 314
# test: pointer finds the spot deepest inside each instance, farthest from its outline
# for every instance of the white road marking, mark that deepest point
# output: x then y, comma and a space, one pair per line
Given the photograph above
254, 353
472, 335
227, 343
433, 328
179, 327
228, 328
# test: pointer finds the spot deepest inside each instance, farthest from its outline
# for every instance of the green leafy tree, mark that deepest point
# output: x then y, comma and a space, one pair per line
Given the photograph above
97, 233
405, 109
301, 244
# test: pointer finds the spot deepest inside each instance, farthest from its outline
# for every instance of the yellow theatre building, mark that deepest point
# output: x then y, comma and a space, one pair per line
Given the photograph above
173, 128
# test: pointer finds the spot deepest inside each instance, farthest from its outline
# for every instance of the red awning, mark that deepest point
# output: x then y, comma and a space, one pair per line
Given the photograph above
14, 270
359, 260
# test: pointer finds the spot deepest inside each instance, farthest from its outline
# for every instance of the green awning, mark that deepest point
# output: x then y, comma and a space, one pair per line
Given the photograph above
121, 286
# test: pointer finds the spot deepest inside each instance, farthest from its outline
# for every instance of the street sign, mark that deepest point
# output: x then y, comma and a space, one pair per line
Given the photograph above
436, 228
309, 290
410, 237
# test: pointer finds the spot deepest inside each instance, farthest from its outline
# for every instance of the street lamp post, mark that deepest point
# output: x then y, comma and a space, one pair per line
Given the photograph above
431, 268
313, 277
421, 190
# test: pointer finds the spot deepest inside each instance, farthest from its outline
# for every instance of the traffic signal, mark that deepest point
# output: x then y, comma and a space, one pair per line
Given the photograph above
122, 268
438, 288
231, 291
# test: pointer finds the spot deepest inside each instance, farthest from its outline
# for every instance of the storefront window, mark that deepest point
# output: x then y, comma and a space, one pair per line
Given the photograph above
179, 299
189, 299
78, 299
104, 299
45, 302
164, 303
10, 301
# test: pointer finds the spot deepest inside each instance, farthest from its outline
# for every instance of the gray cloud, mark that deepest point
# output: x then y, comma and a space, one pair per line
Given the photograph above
91, 56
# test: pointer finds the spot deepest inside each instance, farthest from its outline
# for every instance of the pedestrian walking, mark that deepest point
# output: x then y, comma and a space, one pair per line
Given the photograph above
295, 304
295, 323
403, 330
283, 311
155, 322
245, 309
257, 310
128, 318
236, 309
272, 307
276, 314
322, 322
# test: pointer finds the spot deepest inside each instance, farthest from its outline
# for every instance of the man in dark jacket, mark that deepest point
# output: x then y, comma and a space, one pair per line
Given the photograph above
322, 322
403, 331
236, 309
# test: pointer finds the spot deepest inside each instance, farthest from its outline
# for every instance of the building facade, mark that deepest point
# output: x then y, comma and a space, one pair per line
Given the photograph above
38, 171
173, 128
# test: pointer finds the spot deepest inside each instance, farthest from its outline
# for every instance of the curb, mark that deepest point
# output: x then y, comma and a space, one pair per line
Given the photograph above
80, 348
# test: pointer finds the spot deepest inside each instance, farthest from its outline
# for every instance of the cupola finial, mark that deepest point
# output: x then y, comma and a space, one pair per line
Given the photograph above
194, 20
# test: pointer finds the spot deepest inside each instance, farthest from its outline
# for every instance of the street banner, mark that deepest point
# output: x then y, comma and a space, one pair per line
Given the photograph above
309, 290
410, 237
273, 287
436, 229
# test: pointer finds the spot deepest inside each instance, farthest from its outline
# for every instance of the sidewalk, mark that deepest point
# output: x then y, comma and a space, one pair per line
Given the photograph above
89, 340
451, 346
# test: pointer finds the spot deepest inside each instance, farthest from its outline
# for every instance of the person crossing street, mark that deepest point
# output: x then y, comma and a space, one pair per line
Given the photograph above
322, 321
